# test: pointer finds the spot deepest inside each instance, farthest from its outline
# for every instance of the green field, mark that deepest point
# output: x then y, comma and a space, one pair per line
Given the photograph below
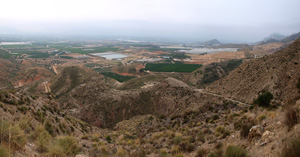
171, 50
40, 55
65, 47
4, 54
120, 78
177, 67
66, 57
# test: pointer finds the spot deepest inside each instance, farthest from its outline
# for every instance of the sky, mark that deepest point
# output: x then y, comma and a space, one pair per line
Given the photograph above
230, 20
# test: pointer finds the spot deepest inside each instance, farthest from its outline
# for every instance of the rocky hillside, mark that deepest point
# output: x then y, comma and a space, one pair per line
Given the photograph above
20, 73
31, 125
211, 72
69, 78
99, 105
291, 38
276, 73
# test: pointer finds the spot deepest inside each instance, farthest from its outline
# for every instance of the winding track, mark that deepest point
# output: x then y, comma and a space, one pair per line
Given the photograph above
229, 99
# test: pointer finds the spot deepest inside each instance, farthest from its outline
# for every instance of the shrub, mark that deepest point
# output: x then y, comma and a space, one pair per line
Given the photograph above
175, 150
291, 117
12, 133
108, 139
298, 85
215, 117
215, 153
177, 139
95, 138
235, 151
4, 126
22, 108
264, 100
219, 145
42, 138
187, 147
4, 151
104, 150
24, 124
237, 125
245, 128
260, 118
49, 127
222, 131
291, 148
161, 116
18, 137
64, 146
121, 152
201, 137
201, 152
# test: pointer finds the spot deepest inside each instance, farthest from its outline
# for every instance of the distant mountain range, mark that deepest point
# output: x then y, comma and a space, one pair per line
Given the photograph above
274, 36
211, 42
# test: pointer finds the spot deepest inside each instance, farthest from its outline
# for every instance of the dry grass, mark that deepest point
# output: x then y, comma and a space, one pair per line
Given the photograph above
64, 146
4, 151
291, 117
13, 135
235, 151
292, 148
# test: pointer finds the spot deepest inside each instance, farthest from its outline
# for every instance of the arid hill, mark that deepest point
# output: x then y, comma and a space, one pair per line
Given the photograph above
99, 105
277, 73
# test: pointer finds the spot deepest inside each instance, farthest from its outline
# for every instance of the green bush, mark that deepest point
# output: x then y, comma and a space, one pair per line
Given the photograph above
108, 139
235, 151
291, 148
264, 100
222, 131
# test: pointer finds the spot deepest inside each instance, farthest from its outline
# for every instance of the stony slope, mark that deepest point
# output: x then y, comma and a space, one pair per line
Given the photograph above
33, 118
69, 78
99, 105
277, 73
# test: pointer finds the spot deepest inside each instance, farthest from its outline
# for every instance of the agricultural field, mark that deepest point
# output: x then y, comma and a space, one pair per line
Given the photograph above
120, 78
171, 50
176, 67
4, 54
86, 50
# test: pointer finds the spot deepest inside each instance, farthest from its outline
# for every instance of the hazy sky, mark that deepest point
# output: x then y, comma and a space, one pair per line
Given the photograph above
236, 20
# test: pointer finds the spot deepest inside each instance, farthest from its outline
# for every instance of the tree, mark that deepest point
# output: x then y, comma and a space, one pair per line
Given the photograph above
264, 100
